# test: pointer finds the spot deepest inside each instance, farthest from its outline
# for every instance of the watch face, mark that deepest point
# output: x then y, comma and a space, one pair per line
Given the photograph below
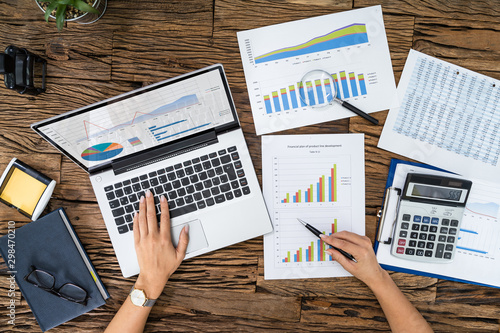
138, 297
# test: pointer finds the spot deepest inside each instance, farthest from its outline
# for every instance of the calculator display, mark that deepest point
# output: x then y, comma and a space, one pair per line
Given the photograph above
435, 192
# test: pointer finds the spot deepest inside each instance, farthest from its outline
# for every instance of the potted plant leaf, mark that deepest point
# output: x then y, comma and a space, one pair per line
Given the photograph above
81, 11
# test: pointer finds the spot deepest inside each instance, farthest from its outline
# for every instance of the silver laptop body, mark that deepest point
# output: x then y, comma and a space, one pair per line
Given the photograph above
180, 138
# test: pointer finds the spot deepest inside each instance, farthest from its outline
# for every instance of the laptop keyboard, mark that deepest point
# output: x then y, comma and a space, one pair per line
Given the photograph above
189, 186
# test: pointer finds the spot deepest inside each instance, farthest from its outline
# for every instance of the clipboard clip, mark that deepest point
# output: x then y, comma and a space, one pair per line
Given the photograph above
382, 213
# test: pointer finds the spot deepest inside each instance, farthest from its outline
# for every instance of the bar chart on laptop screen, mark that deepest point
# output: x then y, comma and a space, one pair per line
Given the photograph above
145, 120
351, 46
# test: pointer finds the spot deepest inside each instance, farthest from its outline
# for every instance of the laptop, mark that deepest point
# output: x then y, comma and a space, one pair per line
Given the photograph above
180, 138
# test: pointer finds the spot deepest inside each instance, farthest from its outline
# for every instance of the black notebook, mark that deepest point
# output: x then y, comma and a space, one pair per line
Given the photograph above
51, 244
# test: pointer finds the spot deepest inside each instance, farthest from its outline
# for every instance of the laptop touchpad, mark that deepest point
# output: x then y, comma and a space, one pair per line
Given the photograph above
197, 239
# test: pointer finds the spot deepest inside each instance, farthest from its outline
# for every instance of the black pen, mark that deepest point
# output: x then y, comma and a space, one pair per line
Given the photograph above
318, 233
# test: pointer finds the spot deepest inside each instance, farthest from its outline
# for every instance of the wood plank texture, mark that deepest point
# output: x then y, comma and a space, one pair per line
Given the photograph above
443, 9
139, 42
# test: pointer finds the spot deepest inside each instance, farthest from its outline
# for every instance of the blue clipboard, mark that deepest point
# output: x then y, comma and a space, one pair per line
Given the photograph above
389, 182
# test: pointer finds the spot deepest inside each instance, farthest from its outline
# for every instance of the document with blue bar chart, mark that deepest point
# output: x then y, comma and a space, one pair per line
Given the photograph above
447, 116
351, 46
319, 179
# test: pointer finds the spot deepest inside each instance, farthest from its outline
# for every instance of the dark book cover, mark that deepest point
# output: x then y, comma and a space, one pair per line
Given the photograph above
51, 244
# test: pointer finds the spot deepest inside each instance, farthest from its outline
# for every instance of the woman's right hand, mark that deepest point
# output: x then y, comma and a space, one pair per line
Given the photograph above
367, 268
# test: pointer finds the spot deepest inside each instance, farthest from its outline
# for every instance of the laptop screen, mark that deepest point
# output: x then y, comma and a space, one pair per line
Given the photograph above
167, 111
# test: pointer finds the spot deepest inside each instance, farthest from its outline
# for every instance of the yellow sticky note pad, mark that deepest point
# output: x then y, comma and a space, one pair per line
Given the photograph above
23, 191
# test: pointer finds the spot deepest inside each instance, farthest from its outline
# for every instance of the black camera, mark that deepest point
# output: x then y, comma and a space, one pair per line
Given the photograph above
23, 71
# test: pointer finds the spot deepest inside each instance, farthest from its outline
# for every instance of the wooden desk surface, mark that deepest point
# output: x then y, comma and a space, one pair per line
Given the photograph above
138, 42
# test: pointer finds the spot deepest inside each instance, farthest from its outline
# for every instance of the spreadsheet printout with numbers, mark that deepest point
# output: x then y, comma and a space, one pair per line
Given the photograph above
448, 116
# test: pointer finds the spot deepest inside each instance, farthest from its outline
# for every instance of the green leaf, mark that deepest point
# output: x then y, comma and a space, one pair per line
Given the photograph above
60, 16
84, 7
49, 10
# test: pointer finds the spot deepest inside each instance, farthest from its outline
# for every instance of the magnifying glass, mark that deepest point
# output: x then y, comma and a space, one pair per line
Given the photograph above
319, 89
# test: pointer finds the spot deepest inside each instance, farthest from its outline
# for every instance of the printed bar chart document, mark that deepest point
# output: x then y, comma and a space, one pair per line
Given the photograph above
448, 117
319, 179
351, 46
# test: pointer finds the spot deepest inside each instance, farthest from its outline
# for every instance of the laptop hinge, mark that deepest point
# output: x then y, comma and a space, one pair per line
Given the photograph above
162, 153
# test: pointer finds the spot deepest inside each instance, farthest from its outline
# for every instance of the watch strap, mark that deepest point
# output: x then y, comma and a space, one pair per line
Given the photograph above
149, 302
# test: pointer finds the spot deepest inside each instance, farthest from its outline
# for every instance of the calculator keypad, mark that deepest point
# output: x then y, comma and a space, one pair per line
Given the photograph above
426, 238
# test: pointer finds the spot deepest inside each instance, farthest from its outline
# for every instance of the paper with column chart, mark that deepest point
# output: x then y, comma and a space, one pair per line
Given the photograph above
319, 179
351, 46
448, 117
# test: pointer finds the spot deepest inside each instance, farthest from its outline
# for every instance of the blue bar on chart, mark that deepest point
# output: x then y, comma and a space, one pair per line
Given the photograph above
302, 94
354, 88
267, 102
310, 93
328, 90
160, 136
154, 129
336, 84
330, 189
293, 96
284, 99
318, 191
345, 89
276, 101
319, 91
362, 85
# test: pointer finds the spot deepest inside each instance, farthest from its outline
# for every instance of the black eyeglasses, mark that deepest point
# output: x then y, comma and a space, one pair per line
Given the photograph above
46, 281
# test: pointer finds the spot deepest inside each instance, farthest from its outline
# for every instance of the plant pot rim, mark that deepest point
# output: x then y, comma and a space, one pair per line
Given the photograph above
96, 2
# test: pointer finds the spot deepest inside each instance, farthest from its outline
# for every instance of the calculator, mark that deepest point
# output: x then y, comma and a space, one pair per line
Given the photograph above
429, 217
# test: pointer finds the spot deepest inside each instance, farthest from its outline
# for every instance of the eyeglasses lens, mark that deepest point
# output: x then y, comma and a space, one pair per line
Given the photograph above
41, 279
73, 292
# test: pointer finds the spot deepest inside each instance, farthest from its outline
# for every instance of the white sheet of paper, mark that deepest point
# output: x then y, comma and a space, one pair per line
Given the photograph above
448, 116
478, 250
350, 45
294, 168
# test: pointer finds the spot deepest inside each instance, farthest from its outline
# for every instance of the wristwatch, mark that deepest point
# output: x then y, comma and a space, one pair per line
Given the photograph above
138, 297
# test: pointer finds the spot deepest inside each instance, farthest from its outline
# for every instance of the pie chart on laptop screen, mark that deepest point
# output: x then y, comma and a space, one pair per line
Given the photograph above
102, 151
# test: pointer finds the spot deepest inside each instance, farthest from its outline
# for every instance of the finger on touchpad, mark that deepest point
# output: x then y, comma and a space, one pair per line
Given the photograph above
197, 239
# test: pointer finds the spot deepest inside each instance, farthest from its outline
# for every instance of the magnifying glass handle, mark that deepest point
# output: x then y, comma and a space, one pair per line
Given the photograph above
359, 112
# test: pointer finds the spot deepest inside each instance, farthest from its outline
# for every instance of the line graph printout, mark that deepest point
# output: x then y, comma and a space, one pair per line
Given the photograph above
480, 230
351, 46
448, 116
143, 120
319, 179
